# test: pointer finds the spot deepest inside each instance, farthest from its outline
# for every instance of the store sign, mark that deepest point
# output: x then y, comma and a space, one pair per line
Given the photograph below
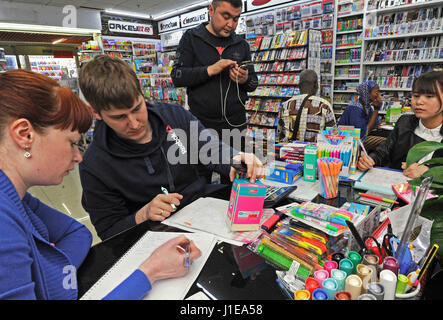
130, 27
193, 18
169, 24
259, 4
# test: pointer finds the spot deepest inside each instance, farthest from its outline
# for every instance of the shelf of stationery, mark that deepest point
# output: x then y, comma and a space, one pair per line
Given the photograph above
158, 87
401, 42
401, 7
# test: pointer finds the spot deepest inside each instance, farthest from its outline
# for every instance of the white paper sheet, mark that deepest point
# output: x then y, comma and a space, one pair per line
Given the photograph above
209, 215
167, 289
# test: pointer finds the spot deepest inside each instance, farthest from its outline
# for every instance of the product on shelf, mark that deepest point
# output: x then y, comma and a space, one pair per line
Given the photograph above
2, 60
416, 21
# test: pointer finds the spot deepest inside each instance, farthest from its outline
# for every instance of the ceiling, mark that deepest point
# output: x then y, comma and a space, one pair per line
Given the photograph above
152, 7
9, 37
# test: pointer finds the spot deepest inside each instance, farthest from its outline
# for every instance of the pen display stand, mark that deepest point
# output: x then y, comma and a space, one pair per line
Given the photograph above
341, 143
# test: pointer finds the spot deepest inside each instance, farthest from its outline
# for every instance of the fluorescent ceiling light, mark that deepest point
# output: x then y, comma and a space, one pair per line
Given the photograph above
17, 27
59, 40
182, 10
128, 14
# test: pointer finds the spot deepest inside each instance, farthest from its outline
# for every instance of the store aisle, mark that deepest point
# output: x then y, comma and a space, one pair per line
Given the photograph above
66, 198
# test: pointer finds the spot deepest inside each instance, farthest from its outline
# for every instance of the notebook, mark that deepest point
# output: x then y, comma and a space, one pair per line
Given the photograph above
166, 289
380, 180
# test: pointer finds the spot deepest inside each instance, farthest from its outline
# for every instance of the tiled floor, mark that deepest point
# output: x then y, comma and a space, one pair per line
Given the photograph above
66, 198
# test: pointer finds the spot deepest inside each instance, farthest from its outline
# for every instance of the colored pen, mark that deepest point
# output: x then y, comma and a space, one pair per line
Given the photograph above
370, 196
165, 191
185, 248
363, 148
328, 225
427, 262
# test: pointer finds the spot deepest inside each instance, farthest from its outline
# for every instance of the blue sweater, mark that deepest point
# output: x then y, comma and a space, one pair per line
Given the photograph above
39, 247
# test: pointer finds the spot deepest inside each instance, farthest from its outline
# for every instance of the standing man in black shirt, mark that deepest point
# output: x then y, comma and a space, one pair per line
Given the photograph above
209, 63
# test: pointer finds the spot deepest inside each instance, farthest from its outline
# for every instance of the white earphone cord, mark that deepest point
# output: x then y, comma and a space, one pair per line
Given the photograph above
223, 102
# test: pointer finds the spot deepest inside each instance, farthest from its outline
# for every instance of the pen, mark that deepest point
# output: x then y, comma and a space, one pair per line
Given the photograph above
165, 191
185, 248
427, 262
363, 148
370, 196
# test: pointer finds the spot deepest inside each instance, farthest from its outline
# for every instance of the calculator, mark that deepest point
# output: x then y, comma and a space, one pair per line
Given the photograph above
275, 195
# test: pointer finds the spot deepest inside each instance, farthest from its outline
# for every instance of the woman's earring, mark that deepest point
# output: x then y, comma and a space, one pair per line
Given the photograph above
27, 153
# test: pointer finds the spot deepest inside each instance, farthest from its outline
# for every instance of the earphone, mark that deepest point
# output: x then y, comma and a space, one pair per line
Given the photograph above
223, 101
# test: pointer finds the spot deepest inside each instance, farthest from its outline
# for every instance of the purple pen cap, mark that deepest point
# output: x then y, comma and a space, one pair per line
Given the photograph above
390, 263
320, 294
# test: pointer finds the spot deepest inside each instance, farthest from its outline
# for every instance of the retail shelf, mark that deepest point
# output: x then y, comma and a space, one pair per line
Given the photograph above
396, 89
345, 91
349, 31
406, 35
349, 14
348, 47
346, 78
403, 62
347, 63
405, 7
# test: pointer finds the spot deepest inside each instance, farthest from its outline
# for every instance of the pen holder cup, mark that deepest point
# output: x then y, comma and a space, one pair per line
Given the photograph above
328, 186
408, 296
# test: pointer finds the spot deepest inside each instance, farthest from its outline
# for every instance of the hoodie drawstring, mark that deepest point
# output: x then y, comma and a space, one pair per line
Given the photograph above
169, 173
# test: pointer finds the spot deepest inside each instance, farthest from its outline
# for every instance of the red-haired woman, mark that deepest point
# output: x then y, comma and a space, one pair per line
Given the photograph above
40, 126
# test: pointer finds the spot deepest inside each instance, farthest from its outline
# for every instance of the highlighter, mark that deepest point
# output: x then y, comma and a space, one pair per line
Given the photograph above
365, 274
330, 286
402, 281
311, 284
302, 295
353, 285
390, 263
377, 290
347, 266
340, 277
321, 275
371, 260
342, 295
337, 256
320, 294
389, 280
355, 257
366, 296
329, 265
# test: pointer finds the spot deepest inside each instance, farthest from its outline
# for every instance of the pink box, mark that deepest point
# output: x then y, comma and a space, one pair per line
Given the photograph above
245, 205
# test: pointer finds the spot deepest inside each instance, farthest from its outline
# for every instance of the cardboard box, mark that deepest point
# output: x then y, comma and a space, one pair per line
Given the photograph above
310, 163
245, 205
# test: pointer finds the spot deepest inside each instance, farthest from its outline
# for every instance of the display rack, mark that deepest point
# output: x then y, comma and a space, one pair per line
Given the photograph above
347, 49
55, 68
144, 57
158, 87
284, 41
2, 60
400, 43
118, 48
88, 50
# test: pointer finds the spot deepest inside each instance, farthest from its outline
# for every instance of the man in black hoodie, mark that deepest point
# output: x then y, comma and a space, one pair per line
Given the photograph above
133, 156
208, 62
